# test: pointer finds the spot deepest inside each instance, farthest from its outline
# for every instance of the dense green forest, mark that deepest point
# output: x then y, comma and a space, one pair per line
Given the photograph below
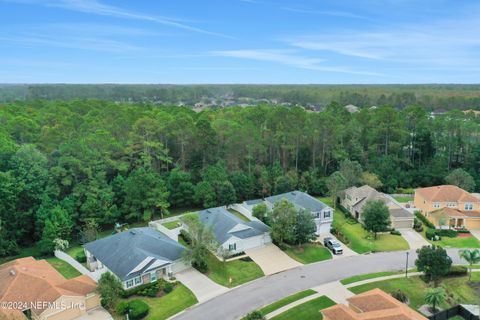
64, 164
431, 97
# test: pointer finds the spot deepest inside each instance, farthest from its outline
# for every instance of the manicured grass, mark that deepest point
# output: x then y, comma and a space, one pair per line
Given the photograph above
64, 268
360, 241
171, 225
307, 311
239, 215
368, 276
458, 289
287, 300
168, 305
33, 251
309, 252
232, 273
457, 242
403, 199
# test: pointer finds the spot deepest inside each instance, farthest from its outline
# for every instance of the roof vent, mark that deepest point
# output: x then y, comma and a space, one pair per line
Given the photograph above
132, 232
13, 273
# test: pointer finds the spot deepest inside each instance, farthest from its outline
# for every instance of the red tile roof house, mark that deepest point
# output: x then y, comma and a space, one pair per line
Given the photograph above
372, 305
449, 206
33, 288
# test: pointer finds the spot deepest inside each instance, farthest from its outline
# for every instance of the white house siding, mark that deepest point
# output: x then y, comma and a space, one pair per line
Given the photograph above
247, 244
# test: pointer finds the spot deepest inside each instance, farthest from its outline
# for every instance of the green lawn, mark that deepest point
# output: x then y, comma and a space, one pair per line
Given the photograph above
168, 305
309, 252
287, 300
458, 289
171, 225
360, 239
368, 276
232, 273
457, 242
64, 268
403, 199
239, 215
307, 311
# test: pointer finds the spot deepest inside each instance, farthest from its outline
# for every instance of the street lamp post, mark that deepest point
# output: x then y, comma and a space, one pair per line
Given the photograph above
406, 266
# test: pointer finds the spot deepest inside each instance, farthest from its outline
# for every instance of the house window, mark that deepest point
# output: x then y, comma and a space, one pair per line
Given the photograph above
317, 215
451, 204
129, 284
327, 214
138, 280
153, 276
468, 206
436, 205
232, 247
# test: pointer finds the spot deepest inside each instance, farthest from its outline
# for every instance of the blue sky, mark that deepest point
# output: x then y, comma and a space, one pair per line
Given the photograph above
240, 41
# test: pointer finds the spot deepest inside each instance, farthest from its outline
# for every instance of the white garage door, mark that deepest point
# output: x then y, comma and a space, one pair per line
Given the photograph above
324, 228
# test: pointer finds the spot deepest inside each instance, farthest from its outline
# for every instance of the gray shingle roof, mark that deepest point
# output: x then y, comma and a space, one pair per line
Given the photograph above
300, 200
221, 221
253, 202
123, 252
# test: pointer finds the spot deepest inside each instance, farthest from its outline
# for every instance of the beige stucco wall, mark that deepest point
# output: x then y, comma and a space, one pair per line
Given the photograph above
76, 306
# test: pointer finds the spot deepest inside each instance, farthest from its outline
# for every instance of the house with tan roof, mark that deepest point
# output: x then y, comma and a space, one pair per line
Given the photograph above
354, 199
449, 206
33, 289
372, 305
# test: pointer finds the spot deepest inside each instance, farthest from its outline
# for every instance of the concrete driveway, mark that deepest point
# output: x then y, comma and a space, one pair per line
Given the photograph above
96, 314
475, 233
271, 259
414, 239
347, 252
202, 287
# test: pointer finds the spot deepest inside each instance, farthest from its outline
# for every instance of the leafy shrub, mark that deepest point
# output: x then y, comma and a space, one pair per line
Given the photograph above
81, 257
400, 296
395, 233
138, 309
185, 236
200, 266
122, 307
254, 315
447, 233
424, 220
431, 234
147, 290
168, 287
458, 271
463, 230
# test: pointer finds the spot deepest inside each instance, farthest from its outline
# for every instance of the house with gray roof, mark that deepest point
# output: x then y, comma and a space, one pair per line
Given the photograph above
136, 256
354, 199
323, 214
234, 234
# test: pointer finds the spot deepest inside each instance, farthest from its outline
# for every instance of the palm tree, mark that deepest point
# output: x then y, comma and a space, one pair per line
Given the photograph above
472, 257
435, 296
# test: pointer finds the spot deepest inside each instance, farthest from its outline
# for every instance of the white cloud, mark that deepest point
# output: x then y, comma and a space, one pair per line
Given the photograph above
332, 13
98, 8
289, 58
445, 43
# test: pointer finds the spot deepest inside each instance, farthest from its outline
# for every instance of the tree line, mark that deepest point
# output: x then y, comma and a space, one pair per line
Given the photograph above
64, 164
431, 97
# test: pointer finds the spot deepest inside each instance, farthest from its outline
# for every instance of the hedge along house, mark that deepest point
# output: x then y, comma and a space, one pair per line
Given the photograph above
233, 234
137, 256
323, 214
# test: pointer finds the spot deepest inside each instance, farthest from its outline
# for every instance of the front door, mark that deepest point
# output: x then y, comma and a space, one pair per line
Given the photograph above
459, 223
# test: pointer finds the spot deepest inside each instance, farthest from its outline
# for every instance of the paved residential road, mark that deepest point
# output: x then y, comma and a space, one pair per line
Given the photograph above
239, 301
